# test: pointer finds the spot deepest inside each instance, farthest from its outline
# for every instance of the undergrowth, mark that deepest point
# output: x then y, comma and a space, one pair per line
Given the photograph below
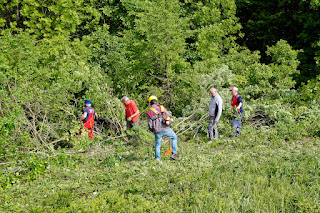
258, 171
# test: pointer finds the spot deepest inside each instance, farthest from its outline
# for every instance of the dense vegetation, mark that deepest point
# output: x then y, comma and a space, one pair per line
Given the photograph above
56, 54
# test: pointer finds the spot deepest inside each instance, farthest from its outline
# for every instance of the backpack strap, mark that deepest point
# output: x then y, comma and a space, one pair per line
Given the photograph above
89, 110
156, 111
161, 109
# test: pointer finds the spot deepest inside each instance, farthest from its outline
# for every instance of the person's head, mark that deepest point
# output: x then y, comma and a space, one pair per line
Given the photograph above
213, 92
87, 103
234, 91
153, 100
125, 100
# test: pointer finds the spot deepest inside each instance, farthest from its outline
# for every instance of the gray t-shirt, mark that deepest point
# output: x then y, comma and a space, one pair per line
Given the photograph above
215, 108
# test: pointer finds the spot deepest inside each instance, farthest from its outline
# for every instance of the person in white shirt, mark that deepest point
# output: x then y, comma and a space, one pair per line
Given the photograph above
215, 110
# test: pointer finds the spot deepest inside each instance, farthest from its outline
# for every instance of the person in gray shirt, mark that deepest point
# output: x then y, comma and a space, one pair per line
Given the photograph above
215, 110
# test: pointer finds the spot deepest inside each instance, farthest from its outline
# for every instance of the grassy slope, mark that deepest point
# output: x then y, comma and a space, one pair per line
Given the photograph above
251, 173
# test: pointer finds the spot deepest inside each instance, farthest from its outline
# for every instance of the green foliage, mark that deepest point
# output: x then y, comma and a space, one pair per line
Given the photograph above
108, 52
156, 44
49, 18
264, 79
284, 65
242, 174
56, 54
266, 22
139, 136
310, 91
217, 27
44, 84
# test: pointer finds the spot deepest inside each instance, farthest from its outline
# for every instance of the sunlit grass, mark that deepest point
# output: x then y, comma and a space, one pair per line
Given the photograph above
245, 174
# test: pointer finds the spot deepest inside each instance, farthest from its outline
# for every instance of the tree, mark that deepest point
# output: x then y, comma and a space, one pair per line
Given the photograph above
216, 27
48, 18
108, 51
266, 22
43, 85
156, 43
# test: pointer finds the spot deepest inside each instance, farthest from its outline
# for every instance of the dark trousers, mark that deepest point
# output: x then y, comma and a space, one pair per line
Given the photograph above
236, 124
212, 129
131, 124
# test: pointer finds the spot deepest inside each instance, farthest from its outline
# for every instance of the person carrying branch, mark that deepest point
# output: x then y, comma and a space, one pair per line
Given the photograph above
88, 117
215, 110
237, 107
132, 112
159, 121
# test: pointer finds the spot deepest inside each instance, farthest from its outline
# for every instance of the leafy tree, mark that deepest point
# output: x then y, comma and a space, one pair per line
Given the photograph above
44, 84
266, 22
156, 44
48, 18
108, 52
284, 65
216, 27
261, 79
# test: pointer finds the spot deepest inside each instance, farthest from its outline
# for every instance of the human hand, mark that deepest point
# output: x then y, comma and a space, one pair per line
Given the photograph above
129, 118
216, 121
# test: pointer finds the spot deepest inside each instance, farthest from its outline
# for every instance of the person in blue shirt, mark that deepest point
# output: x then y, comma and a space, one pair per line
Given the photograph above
88, 117
237, 107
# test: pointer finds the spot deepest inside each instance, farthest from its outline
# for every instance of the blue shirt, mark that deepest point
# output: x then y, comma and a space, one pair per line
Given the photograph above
87, 111
239, 100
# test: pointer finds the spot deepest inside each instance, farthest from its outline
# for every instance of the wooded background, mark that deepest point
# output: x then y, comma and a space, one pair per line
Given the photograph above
56, 54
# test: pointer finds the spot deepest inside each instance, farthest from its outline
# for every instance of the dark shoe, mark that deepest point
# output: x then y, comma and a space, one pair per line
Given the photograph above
210, 139
174, 157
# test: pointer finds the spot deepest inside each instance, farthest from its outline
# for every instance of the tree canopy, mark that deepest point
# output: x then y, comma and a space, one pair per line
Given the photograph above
55, 54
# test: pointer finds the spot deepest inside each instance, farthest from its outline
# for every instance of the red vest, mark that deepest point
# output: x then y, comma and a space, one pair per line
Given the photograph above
234, 101
89, 123
152, 113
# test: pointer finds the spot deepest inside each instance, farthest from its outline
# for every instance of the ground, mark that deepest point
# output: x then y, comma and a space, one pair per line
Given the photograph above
253, 173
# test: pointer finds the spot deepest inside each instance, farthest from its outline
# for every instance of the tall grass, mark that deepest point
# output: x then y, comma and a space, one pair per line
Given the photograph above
251, 173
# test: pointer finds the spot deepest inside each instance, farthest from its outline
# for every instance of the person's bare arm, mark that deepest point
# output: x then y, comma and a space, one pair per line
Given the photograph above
134, 115
83, 116
96, 116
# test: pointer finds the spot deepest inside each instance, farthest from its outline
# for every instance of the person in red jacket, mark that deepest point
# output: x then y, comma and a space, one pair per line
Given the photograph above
132, 112
88, 116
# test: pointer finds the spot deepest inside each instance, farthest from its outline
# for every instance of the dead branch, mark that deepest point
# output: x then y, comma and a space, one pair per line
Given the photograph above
189, 116
34, 122
201, 119
24, 114
154, 76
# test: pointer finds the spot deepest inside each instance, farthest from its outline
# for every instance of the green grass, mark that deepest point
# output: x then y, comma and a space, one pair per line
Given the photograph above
247, 174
